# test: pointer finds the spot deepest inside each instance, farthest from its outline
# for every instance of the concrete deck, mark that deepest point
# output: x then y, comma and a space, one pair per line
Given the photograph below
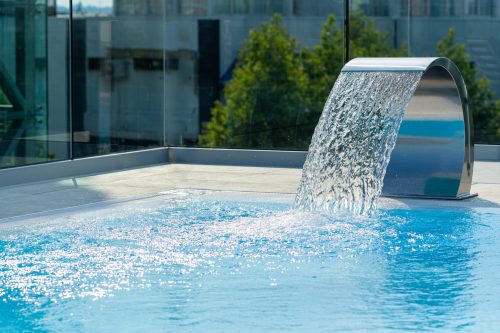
69, 192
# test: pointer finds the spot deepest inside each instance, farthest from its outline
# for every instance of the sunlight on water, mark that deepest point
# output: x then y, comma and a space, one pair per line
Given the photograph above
96, 257
224, 266
352, 143
189, 265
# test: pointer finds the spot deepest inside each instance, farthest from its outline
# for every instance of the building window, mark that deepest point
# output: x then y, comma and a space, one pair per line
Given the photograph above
193, 7
231, 7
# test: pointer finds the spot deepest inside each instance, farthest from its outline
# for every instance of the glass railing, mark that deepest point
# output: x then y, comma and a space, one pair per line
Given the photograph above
108, 76
464, 32
25, 127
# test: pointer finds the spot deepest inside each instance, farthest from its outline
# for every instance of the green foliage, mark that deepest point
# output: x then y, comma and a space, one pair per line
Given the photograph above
267, 89
322, 64
366, 40
278, 89
215, 131
485, 109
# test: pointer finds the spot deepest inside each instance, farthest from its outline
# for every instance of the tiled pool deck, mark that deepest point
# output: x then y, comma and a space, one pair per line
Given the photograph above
70, 192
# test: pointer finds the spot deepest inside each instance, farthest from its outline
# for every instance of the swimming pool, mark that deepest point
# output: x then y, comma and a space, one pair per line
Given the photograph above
196, 261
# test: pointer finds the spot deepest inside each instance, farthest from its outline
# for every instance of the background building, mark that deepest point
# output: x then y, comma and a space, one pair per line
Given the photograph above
119, 75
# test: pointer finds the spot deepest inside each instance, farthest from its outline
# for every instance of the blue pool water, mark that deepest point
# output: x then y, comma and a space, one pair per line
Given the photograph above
195, 263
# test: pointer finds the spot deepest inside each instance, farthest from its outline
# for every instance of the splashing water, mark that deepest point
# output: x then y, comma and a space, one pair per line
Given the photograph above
352, 143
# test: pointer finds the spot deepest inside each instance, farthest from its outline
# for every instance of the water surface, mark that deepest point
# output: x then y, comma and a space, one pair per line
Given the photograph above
204, 265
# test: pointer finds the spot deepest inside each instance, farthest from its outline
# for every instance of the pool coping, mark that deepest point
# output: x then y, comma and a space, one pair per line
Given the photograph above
385, 203
119, 185
176, 155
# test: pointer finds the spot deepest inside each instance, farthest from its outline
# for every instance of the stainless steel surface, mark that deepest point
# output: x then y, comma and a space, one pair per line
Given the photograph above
434, 154
388, 64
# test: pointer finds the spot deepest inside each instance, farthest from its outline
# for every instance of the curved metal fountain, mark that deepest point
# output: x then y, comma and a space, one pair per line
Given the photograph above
434, 153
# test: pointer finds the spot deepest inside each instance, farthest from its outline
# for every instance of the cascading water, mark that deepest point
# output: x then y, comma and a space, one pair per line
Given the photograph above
353, 141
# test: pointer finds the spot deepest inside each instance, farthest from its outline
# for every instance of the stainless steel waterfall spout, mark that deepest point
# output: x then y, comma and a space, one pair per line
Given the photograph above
434, 153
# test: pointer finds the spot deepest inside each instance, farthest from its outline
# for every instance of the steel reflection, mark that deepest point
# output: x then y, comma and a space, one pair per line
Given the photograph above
434, 153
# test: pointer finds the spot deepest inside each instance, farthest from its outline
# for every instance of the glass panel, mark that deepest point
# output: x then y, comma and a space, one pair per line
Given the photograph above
117, 72
23, 83
134, 7
193, 7
378, 28
250, 73
58, 79
231, 7
471, 40
466, 31
171, 7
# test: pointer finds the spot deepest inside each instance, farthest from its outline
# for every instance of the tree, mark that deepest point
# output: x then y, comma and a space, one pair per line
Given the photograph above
266, 95
485, 109
215, 132
366, 40
279, 88
324, 61
322, 64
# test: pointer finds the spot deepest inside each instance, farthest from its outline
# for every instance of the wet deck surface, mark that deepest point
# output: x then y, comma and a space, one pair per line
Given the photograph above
70, 192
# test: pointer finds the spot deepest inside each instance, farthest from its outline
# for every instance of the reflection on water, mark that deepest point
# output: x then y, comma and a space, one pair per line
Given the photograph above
201, 266
429, 281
